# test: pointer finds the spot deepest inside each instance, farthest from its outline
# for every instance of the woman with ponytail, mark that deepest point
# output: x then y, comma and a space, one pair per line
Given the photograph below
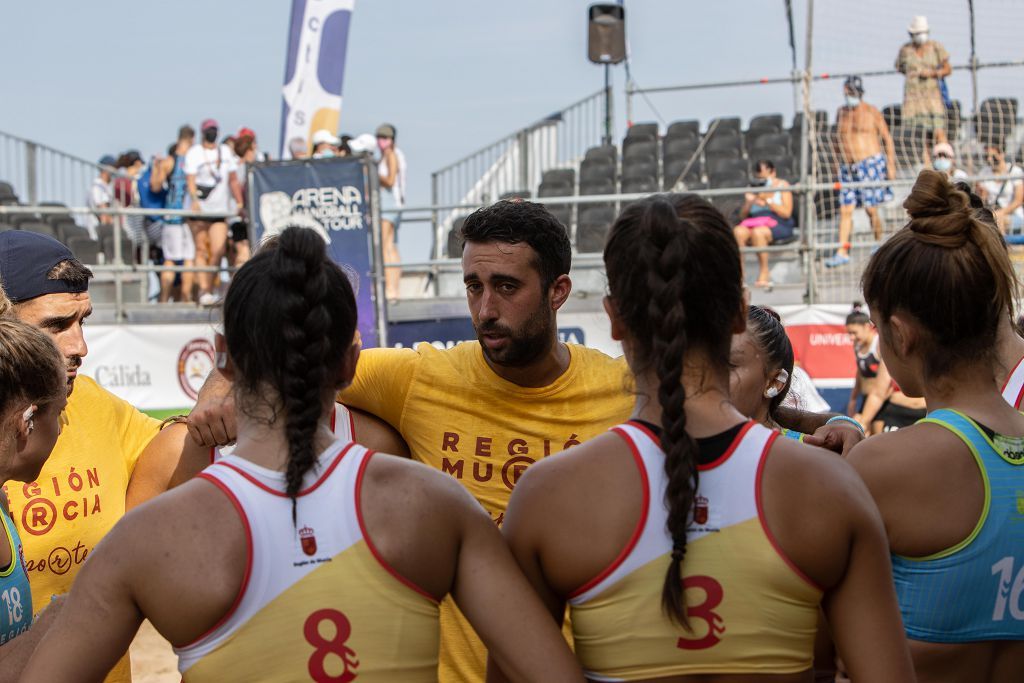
300, 556
950, 487
709, 544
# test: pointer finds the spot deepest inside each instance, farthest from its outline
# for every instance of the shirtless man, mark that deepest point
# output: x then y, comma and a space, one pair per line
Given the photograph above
862, 131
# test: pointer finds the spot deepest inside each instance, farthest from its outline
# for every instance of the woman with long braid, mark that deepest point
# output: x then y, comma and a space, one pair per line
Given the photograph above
709, 543
286, 561
951, 487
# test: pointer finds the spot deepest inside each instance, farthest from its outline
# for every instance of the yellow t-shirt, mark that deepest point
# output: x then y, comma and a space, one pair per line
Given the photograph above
459, 417
80, 493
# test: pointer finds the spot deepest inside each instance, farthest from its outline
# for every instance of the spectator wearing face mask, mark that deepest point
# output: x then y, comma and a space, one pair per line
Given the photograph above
298, 149
212, 183
767, 217
392, 172
925, 63
325, 144
246, 152
944, 161
1004, 197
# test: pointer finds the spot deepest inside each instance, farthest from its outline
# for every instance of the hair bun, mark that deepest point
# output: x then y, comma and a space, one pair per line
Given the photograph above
939, 213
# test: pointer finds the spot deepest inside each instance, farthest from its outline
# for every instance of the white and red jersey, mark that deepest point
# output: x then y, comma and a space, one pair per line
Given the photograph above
342, 425
1013, 389
317, 600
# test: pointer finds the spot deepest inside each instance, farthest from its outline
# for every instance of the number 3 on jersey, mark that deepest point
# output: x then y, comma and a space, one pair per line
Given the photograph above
703, 611
1004, 593
344, 658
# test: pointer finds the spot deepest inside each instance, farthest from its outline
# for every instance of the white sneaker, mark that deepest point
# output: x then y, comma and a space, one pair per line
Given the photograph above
208, 299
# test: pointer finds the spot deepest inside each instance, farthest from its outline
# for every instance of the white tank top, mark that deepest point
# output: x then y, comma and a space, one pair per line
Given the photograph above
342, 425
1013, 390
322, 567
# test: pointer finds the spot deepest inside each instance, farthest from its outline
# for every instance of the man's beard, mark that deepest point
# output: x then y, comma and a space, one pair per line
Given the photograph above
73, 363
524, 346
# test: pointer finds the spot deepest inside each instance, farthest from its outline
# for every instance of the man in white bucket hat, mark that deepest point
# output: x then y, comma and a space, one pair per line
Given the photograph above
925, 63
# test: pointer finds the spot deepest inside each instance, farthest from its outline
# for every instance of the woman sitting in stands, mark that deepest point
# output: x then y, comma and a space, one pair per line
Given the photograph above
767, 217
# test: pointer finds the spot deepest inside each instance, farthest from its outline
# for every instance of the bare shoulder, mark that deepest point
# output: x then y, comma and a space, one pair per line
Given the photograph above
900, 453
414, 487
815, 472
376, 434
578, 469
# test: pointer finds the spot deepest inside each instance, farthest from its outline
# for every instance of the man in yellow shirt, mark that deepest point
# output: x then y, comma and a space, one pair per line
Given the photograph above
483, 411
106, 451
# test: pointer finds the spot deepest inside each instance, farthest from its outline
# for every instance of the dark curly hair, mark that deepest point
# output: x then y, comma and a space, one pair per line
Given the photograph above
675, 279
528, 223
289, 319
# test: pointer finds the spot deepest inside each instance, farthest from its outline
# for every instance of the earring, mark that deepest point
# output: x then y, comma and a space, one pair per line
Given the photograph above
771, 392
31, 426
222, 360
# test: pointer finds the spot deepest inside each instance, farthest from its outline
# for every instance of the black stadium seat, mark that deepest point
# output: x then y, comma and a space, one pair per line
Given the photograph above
639, 169
766, 122
769, 140
559, 175
996, 119
722, 142
593, 228
910, 146
682, 146
683, 129
37, 226
85, 249
893, 115
646, 150
726, 166
610, 152
724, 123
598, 187
646, 185
642, 129
555, 189
597, 169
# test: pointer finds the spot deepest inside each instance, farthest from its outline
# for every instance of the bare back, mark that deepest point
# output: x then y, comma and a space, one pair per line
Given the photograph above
597, 486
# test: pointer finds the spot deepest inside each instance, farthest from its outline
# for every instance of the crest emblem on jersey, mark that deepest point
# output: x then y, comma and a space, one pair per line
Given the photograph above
700, 510
1020, 502
308, 540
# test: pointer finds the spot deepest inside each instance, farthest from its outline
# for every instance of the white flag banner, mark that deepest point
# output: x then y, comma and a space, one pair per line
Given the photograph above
314, 70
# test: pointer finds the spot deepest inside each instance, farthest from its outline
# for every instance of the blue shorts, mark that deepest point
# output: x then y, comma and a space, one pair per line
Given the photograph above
870, 169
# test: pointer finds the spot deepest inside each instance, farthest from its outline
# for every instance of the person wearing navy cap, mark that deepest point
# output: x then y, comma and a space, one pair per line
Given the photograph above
108, 455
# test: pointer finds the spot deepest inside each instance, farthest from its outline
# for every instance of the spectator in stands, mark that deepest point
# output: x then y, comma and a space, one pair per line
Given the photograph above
925, 63
298, 148
176, 239
325, 144
246, 153
862, 133
126, 193
212, 183
1004, 197
100, 196
767, 217
944, 161
392, 171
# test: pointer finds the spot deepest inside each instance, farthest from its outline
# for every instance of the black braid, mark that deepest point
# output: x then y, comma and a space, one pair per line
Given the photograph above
666, 284
289, 318
674, 275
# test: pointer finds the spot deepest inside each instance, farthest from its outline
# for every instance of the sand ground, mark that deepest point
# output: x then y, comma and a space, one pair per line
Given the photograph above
153, 660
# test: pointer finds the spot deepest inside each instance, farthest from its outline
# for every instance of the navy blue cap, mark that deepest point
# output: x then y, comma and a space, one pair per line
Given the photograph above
107, 160
25, 260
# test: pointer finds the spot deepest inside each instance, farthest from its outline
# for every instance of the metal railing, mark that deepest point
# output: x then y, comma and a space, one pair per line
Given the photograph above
40, 173
516, 162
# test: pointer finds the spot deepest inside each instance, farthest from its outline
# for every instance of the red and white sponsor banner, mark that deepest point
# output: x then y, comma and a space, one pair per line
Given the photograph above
153, 367
160, 367
820, 342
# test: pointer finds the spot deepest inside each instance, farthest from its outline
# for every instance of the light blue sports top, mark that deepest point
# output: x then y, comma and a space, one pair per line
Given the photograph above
974, 590
792, 434
15, 595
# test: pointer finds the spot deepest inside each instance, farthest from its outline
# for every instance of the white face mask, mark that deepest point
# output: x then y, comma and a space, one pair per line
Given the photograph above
943, 164
920, 38
852, 100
